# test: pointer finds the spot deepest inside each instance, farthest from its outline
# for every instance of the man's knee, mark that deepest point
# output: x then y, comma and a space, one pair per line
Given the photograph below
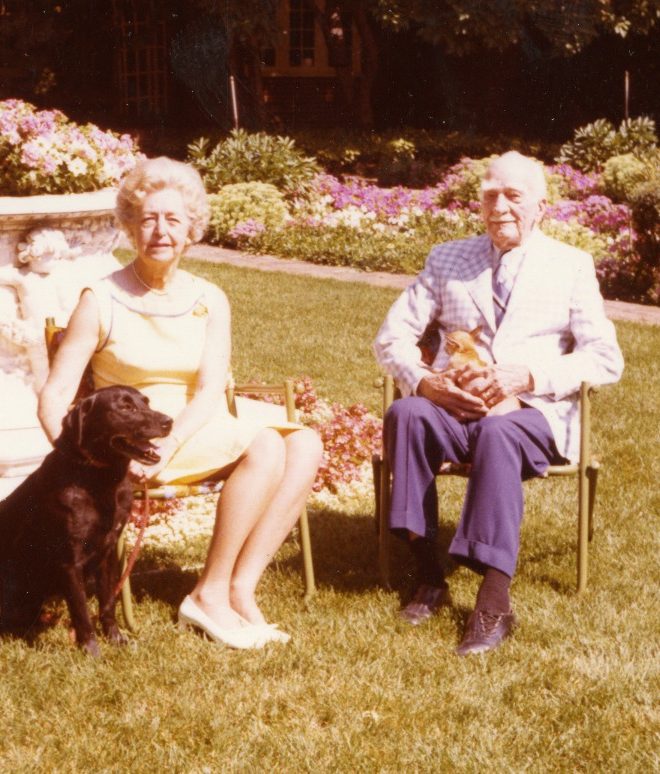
404, 413
494, 431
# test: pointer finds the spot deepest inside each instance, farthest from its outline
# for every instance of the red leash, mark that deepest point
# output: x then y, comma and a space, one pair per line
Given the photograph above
144, 521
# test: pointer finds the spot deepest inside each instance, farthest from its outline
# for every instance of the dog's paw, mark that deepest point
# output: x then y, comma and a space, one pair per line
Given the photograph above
91, 648
116, 637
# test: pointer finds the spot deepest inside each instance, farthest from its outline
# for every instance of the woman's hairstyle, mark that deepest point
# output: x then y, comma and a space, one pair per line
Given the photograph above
151, 175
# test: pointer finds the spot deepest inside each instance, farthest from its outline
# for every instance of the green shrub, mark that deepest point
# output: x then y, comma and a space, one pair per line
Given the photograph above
621, 175
382, 155
638, 136
346, 246
259, 203
370, 250
645, 204
577, 235
556, 186
244, 158
592, 145
462, 183
396, 163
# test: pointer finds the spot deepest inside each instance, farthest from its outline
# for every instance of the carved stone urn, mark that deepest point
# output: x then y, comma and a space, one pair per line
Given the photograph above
51, 246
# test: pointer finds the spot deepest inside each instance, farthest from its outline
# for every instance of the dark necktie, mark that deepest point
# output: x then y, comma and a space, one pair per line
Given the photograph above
502, 284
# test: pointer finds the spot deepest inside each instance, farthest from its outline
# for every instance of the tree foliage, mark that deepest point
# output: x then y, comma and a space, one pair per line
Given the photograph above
246, 19
563, 27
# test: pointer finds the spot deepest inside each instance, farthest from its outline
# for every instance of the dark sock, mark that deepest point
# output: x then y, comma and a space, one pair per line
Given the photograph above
429, 570
493, 593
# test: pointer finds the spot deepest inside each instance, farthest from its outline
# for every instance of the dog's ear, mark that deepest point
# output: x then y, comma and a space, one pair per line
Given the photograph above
73, 424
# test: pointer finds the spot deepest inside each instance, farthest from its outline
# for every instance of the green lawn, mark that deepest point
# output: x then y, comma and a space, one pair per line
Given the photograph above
356, 691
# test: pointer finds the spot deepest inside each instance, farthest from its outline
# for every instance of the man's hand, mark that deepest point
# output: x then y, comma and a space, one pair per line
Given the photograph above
494, 383
441, 390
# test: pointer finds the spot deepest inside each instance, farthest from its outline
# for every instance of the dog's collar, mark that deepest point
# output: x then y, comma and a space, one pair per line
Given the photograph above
86, 457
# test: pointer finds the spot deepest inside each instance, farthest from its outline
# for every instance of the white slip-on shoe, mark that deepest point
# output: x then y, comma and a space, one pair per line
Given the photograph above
273, 634
244, 637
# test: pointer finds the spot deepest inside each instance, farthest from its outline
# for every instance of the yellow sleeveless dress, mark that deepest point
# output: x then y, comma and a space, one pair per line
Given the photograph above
160, 354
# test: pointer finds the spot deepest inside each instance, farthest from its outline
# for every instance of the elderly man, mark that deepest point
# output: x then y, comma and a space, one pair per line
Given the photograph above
542, 331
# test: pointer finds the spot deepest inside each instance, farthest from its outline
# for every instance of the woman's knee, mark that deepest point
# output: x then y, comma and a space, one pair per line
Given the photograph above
267, 450
306, 445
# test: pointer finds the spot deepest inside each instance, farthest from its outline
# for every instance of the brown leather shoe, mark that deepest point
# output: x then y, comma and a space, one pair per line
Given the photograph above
485, 631
427, 600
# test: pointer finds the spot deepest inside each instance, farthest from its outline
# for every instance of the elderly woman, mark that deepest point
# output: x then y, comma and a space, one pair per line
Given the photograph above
158, 328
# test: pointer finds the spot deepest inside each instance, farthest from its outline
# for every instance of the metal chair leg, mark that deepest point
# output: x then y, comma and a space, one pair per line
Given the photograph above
384, 536
376, 468
583, 530
126, 596
592, 472
306, 547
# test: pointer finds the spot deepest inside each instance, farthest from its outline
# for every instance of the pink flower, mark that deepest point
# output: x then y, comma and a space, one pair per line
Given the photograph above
35, 144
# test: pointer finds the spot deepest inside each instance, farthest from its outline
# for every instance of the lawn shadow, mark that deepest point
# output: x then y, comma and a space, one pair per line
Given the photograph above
534, 567
345, 556
168, 583
345, 550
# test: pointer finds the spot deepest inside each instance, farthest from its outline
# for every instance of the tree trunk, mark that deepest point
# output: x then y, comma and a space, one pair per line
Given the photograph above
356, 92
365, 112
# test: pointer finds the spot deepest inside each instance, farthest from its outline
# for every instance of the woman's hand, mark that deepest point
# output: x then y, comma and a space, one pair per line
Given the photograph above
165, 448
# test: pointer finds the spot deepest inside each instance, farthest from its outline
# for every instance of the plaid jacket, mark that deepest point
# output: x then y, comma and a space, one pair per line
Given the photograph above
554, 323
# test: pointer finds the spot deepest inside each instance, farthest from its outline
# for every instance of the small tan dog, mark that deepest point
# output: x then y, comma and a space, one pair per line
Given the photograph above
461, 348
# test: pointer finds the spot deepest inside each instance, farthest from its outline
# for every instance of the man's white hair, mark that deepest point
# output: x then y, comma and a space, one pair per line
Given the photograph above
532, 171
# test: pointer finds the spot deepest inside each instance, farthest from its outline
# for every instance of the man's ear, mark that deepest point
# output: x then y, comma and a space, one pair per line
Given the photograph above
543, 203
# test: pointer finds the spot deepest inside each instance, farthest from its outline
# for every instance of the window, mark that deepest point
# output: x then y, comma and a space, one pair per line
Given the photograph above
301, 34
141, 53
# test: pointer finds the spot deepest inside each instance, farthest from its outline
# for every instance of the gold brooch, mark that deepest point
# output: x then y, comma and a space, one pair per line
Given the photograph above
201, 310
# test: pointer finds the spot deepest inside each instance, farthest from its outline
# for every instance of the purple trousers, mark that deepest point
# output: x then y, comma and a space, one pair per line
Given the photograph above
503, 451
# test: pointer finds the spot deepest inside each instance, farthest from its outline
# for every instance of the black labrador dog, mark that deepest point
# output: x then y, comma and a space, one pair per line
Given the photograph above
61, 525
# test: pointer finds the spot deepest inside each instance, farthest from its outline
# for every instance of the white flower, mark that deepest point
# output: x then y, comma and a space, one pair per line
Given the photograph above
77, 167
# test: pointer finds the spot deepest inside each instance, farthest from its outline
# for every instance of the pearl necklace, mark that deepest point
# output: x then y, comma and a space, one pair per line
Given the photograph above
157, 291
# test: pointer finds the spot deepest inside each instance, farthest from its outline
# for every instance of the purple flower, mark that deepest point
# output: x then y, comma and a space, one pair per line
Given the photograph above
247, 229
599, 213
576, 184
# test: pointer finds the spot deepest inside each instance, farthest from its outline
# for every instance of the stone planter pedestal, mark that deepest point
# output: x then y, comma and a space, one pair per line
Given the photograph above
50, 248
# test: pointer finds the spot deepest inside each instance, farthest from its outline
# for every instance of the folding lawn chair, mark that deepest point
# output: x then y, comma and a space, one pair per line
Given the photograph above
585, 470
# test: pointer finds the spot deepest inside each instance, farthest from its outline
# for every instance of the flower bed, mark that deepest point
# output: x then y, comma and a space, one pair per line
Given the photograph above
350, 437
43, 152
354, 222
